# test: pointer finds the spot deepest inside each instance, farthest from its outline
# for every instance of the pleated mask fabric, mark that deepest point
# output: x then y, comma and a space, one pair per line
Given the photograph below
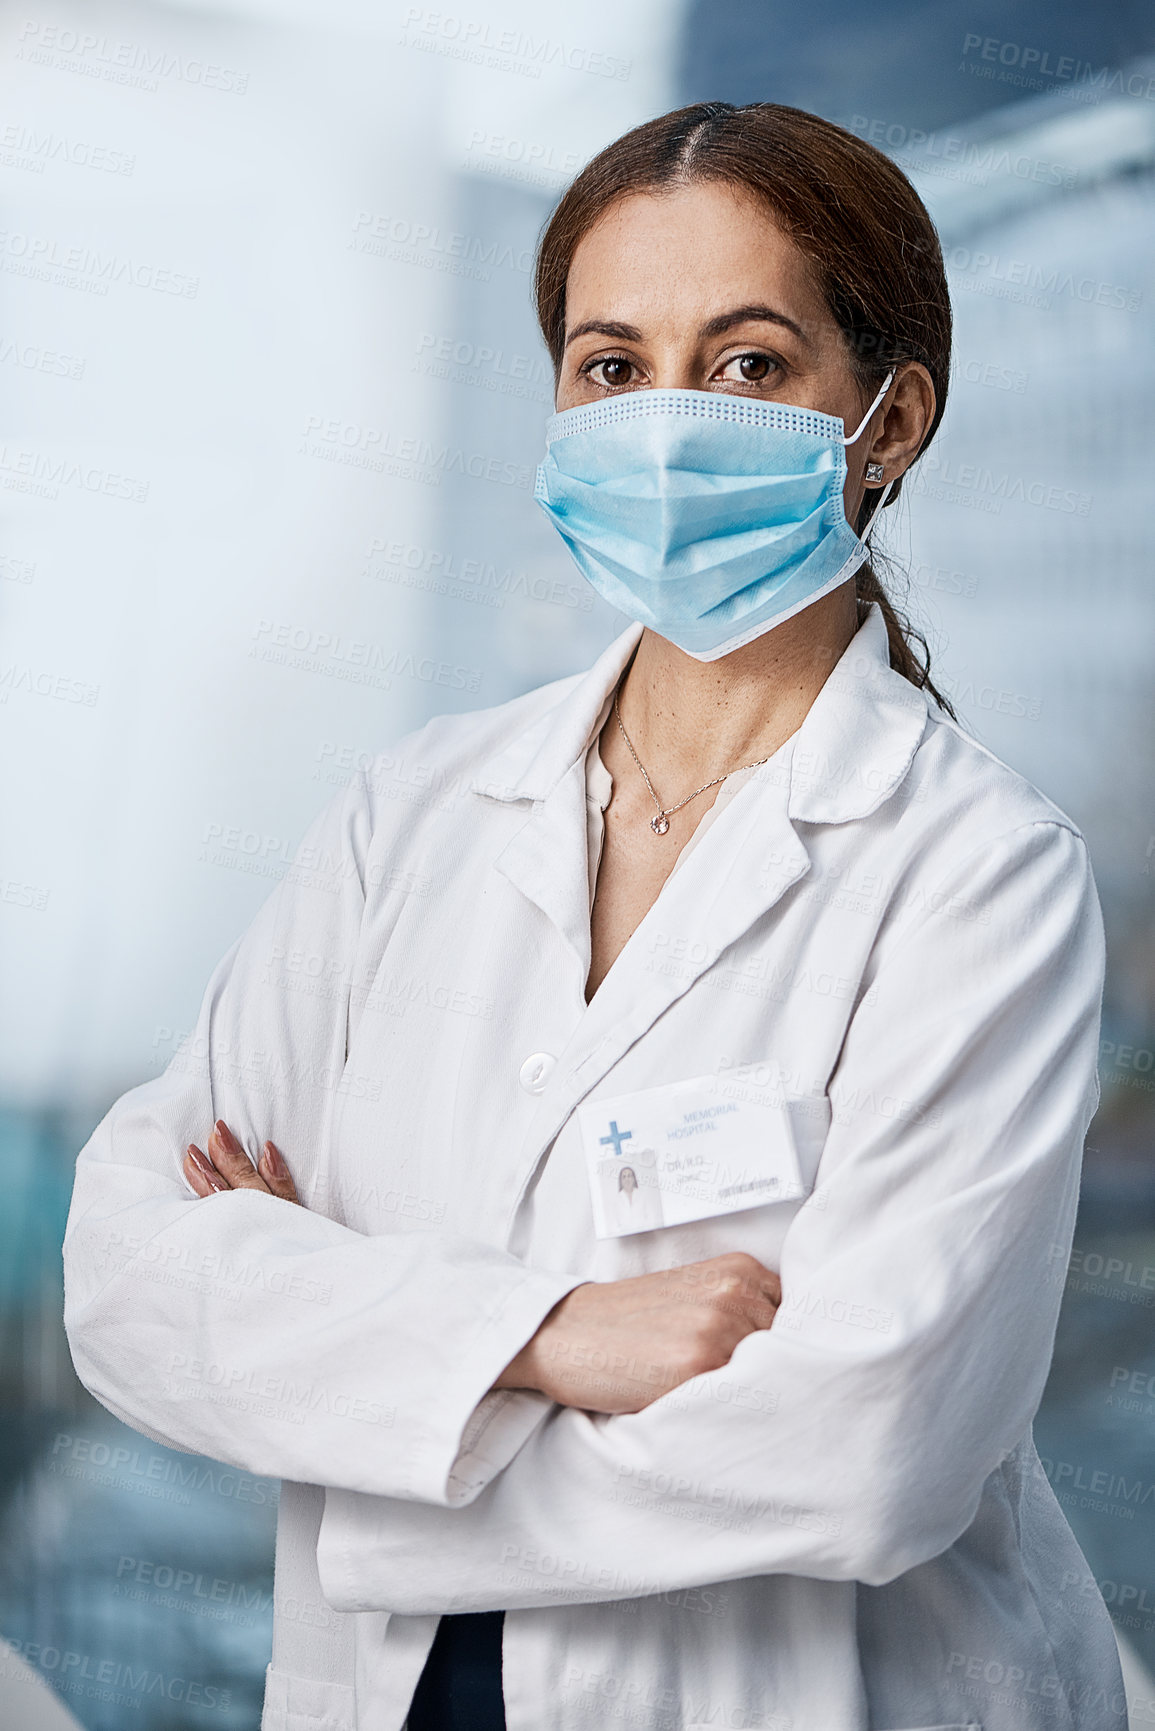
709, 518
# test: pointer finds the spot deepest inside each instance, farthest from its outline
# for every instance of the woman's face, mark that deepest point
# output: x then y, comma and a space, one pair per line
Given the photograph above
699, 289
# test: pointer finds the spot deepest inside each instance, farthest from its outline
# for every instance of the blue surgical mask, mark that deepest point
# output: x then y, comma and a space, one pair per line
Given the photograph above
710, 518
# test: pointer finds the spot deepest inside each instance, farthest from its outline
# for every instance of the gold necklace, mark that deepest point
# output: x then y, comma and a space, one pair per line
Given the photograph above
661, 822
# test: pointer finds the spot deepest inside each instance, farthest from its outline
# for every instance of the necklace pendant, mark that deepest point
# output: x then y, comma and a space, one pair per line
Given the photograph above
660, 824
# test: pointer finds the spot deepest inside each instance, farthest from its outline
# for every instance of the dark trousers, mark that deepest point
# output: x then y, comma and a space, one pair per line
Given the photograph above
460, 1687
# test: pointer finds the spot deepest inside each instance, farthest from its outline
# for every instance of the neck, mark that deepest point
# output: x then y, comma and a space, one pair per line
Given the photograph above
692, 720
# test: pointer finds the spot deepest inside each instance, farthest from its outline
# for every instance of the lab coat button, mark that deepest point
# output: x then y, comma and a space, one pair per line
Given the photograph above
536, 1072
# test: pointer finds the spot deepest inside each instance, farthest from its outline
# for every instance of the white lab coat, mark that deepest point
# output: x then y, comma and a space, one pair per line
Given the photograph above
847, 1528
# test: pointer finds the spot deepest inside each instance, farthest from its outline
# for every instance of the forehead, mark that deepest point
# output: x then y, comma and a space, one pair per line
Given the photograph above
691, 251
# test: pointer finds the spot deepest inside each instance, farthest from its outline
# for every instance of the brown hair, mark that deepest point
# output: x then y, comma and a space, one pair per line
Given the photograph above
847, 208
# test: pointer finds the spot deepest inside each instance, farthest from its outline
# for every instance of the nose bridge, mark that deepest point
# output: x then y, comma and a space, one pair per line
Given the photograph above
676, 361
678, 373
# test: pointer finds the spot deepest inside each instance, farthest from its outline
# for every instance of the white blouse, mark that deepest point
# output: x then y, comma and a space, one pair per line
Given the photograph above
600, 785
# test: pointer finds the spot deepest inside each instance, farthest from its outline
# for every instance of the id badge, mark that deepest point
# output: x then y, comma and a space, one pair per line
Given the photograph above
687, 1151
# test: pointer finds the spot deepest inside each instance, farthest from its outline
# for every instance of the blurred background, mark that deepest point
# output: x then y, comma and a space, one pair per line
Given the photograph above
273, 397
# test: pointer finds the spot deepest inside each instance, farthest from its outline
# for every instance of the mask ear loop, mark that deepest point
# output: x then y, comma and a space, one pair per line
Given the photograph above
886, 491
886, 384
871, 520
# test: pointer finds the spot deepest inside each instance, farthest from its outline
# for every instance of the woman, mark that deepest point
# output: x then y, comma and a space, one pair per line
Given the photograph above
743, 1439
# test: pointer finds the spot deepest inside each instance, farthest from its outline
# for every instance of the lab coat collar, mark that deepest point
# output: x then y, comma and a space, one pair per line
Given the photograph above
531, 766
860, 734
854, 746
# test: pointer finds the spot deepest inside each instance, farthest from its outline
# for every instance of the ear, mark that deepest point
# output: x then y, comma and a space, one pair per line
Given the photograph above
907, 417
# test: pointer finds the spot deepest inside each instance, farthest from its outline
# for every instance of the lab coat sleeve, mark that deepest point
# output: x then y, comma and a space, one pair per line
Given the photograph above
921, 1286
260, 1332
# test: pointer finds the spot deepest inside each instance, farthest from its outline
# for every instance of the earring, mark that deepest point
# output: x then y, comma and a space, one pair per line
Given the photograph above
874, 471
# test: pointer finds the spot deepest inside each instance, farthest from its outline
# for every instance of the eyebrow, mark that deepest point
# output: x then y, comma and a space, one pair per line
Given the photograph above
604, 328
715, 327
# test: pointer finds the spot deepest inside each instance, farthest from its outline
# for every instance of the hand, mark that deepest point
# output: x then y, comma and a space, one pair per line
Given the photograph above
616, 1345
226, 1166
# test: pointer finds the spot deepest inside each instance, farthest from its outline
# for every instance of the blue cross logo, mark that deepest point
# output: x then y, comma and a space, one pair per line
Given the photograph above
616, 1136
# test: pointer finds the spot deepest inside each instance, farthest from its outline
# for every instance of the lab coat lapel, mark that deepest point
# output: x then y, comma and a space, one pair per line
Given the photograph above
546, 858
546, 861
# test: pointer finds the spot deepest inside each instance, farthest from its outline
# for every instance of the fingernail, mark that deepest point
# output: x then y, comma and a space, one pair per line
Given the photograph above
227, 1137
273, 1161
209, 1172
198, 1171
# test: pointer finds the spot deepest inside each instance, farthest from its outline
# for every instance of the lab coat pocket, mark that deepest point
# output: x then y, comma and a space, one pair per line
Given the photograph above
697, 1149
306, 1704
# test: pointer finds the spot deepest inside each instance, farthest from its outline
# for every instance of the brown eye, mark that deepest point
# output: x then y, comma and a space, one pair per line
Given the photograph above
615, 370
754, 368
